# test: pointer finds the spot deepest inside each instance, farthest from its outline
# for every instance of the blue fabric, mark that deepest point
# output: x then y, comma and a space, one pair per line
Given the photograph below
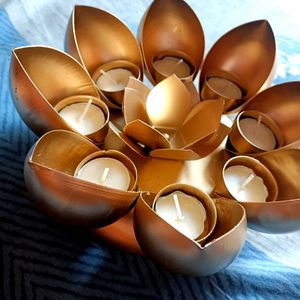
41, 259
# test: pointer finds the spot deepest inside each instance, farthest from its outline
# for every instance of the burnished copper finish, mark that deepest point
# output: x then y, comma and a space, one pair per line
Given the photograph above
48, 174
246, 52
258, 168
176, 252
171, 26
168, 122
95, 37
116, 97
202, 197
98, 136
239, 141
282, 104
41, 77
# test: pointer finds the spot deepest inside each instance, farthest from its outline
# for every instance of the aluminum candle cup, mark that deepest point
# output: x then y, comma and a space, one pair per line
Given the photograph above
187, 209
87, 115
111, 169
112, 78
223, 85
254, 132
247, 180
167, 63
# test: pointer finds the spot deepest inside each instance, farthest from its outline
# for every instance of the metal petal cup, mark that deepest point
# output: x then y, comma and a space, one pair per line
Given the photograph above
281, 105
178, 253
98, 40
35, 70
245, 57
168, 123
159, 40
48, 174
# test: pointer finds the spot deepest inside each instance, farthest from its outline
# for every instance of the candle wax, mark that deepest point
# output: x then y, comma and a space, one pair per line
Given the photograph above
193, 211
92, 122
117, 175
225, 87
259, 135
114, 80
170, 65
254, 191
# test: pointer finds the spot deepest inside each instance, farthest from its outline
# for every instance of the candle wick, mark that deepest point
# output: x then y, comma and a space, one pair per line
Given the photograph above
257, 125
83, 115
108, 76
104, 175
246, 182
173, 68
178, 209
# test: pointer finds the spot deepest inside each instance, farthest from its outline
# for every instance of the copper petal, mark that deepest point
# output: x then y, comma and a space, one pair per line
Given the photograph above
47, 173
169, 25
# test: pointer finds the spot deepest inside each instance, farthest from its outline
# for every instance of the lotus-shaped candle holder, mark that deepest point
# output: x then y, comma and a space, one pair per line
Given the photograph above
108, 50
269, 121
168, 122
172, 41
50, 176
45, 80
238, 64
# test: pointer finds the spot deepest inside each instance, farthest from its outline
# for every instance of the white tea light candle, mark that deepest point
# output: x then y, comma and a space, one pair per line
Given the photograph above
113, 80
244, 185
84, 117
170, 65
184, 212
105, 171
257, 133
225, 87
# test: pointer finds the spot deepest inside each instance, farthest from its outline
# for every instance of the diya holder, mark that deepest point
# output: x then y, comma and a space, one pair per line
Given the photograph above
167, 51
238, 65
51, 90
106, 48
52, 175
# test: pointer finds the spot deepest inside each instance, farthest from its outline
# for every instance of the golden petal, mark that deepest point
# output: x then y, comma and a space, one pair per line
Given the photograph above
168, 25
282, 104
247, 51
96, 37
203, 121
175, 154
169, 103
146, 135
134, 104
40, 78
48, 175
159, 240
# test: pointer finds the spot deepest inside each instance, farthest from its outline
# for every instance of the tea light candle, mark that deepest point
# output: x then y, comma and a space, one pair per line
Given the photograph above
184, 212
244, 185
225, 87
258, 133
86, 118
113, 80
170, 65
105, 171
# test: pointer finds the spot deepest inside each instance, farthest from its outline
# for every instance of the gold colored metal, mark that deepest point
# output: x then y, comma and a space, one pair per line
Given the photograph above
167, 246
171, 26
246, 52
258, 168
178, 126
40, 78
241, 144
116, 97
206, 201
95, 37
48, 174
98, 136
282, 104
